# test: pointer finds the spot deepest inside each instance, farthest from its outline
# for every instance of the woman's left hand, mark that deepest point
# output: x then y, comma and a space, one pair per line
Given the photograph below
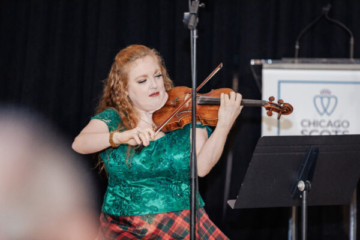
229, 110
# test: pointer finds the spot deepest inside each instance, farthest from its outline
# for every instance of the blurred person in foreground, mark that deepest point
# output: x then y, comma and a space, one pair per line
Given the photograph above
148, 193
44, 192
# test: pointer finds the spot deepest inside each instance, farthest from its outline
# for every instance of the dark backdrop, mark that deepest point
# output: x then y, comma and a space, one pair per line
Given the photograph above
55, 54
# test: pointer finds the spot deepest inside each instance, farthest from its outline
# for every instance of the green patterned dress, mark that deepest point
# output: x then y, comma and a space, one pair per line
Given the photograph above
146, 184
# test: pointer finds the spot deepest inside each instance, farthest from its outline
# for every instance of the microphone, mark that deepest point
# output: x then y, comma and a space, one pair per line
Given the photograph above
325, 12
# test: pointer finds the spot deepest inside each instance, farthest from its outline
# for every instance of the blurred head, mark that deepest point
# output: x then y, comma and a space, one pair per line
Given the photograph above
44, 191
125, 89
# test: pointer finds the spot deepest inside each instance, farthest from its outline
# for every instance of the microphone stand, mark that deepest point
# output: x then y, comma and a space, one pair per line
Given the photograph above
325, 12
191, 21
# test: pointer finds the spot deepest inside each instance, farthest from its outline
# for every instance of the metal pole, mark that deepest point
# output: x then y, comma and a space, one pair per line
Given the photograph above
293, 224
353, 215
194, 189
304, 215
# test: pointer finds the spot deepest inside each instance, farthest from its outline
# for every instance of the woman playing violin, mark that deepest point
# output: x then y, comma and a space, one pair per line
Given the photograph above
148, 192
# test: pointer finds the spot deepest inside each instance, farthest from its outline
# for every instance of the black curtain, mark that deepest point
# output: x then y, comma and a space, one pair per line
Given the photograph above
55, 54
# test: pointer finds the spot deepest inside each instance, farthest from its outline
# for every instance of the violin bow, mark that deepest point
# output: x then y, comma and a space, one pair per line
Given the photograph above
139, 147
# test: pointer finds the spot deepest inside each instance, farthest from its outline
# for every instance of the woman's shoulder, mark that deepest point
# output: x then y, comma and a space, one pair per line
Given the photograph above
110, 116
107, 113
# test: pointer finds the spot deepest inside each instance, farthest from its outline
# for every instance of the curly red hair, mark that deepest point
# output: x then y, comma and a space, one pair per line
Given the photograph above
117, 83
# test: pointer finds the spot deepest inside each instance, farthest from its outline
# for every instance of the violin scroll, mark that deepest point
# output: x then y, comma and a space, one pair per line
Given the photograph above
280, 107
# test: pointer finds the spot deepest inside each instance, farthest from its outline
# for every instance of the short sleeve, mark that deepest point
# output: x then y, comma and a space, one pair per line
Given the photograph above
109, 116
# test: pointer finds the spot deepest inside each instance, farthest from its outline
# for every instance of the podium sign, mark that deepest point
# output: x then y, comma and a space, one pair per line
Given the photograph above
325, 96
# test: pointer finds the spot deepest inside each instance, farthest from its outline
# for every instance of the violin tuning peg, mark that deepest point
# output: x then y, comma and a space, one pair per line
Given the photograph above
271, 99
269, 113
280, 101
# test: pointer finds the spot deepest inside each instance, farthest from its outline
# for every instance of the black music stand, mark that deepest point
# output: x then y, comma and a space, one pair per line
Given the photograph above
329, 165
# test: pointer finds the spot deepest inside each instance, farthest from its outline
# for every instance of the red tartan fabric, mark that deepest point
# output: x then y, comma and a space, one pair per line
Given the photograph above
171, 225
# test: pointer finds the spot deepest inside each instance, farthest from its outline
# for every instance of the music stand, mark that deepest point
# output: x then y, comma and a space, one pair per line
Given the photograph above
330, 163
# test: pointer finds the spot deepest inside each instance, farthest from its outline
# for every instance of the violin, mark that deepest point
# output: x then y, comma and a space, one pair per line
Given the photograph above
208, 105
176, 112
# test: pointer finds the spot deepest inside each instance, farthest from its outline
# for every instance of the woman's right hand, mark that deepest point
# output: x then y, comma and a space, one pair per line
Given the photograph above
134, 136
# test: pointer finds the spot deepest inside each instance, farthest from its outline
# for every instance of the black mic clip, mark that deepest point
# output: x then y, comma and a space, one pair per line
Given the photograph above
190, 18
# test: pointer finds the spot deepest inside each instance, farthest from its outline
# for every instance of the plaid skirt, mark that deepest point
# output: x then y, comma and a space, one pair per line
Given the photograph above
171, 225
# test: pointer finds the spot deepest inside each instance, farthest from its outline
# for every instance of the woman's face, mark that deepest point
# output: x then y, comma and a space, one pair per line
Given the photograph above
146, 84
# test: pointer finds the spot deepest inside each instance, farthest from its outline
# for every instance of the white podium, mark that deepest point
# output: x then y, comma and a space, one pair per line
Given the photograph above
325, 95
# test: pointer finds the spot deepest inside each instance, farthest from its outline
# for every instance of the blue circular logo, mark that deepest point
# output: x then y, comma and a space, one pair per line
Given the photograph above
325, 103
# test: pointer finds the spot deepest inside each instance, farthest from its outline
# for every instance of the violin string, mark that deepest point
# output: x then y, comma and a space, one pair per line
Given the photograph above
206, 100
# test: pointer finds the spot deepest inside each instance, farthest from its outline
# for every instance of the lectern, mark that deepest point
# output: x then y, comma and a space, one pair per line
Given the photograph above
324, 94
